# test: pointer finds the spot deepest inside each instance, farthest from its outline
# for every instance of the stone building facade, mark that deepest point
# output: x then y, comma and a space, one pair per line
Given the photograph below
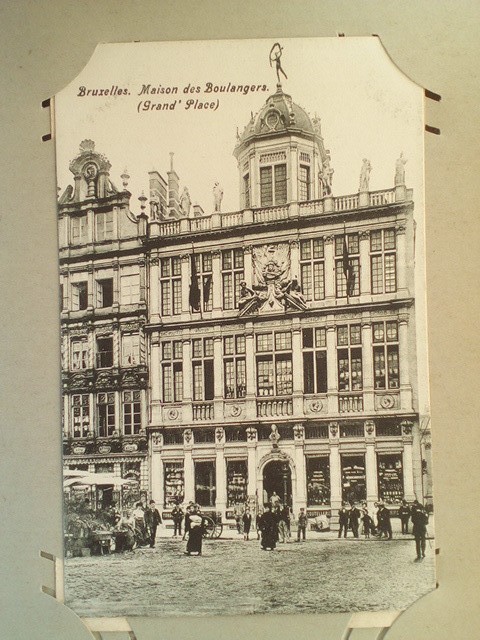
276, 344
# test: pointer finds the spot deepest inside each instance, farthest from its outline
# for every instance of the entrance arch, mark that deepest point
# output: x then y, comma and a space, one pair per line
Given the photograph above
277, 477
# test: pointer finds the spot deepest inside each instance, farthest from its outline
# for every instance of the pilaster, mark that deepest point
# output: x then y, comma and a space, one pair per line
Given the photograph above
367, 356
189, 468
156, 477
220, 470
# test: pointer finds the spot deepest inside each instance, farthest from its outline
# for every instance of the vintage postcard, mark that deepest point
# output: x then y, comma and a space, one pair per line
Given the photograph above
246, 419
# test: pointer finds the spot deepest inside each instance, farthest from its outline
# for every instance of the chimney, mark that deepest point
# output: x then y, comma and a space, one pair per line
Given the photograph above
173, 191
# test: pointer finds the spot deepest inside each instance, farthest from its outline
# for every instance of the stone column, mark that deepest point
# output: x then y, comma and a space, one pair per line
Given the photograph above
252, 437
116, 286
301, 468
156, 474
332, 393
143, 284
118, 412
404, 364
187, 382
293, 167
400, 239
189, 467
365, 271
154, 289
248, 264
254, 181
367, 368
185, 271
217, 285
408, 484
297, 366
329, 248
217, 374
155, 380
371, 465
250, 402
335, 472
295, 259
220, 471
91, 286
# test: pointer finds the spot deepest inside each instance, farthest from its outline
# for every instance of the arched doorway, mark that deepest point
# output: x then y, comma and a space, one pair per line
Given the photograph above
277, 476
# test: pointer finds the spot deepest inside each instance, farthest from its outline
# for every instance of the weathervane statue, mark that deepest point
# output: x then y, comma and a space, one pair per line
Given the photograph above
275, 55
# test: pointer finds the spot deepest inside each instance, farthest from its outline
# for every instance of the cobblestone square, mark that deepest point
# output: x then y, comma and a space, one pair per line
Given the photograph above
237, 577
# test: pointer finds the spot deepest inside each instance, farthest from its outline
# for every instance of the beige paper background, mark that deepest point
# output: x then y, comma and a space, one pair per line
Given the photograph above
44, 45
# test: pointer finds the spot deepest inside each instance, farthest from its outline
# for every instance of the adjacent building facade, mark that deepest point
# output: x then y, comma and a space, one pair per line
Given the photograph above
236, 354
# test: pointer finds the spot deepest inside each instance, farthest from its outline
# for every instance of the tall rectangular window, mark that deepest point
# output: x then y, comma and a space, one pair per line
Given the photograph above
246, 190
203, 267
235, 384
303, 183
105, 414
79, 229
314, 360
383, 259
105, 292
132, 414
202, 369
318, 480
79, 296
129, 285
104, 226
232, 274
274, 364
349, 358
353, 246
80, 415
171, 286
273, 185
130, 349
172, 371
312, 269
79, 354
104, 352
386, 369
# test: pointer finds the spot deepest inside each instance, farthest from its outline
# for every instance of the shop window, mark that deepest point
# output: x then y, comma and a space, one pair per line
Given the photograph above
237, 479
318, 481
354, 487
174, 483
390, 478
205, 489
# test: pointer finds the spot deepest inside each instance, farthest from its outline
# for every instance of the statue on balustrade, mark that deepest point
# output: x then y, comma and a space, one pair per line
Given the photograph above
365, 175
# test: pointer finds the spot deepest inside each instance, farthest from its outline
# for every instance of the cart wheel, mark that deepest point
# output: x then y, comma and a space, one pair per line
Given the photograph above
209, 527
218, 531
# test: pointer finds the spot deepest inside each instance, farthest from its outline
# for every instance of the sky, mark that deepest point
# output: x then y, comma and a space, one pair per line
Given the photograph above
367, 106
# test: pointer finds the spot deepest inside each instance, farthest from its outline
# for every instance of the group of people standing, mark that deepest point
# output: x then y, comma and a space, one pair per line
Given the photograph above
274, 525
350, 517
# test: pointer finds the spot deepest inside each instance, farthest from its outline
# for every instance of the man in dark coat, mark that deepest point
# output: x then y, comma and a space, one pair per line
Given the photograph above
404, 513
354, 519
269, 529
152, 520
177, 516
342, 522
384, 523
419, 521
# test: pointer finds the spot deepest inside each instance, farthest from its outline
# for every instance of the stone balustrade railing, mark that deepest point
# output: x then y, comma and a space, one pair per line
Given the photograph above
326, 205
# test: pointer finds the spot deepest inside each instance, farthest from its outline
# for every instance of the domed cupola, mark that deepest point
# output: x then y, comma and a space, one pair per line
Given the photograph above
281, 155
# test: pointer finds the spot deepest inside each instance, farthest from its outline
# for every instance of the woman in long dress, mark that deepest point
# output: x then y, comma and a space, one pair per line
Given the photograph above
195, 534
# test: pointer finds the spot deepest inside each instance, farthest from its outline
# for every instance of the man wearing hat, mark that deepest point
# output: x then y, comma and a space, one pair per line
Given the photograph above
152, 520
419, 521
384, 523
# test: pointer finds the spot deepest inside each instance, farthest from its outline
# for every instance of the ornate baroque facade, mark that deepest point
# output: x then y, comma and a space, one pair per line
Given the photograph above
223, 357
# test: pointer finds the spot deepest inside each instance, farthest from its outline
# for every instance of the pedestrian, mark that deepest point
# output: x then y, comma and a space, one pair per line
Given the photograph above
269, 529
152, 520
195, 533
188, 514
177, 516
258, 523
274, 500
404, 513
140, 530
247, 523
302, 524
419, 522
353, 520
384, 522
283, 518
342, 522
